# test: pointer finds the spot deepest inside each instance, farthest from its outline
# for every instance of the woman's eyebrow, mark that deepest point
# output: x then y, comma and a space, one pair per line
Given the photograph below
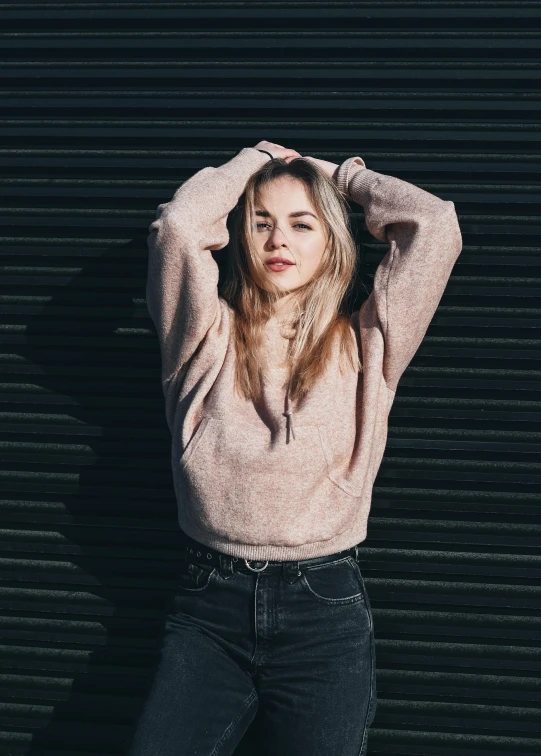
296, 214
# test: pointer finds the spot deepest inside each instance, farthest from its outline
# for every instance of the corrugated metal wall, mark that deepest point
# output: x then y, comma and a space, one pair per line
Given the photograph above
106, 109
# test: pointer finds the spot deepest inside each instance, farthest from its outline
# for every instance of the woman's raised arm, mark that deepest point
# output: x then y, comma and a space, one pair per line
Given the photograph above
425, 241
182, 282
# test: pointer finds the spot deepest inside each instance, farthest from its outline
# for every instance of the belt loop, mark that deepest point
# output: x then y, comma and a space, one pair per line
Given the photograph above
291, 571
226, 565
357, 553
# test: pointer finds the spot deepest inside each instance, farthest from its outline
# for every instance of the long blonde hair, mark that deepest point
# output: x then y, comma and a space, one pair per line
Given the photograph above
321, 301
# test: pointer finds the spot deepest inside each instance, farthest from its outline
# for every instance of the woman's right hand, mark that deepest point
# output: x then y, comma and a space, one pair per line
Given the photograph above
277, 151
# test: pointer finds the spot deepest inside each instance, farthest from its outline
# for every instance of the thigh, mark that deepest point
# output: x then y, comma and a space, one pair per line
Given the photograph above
201, 701
317, 692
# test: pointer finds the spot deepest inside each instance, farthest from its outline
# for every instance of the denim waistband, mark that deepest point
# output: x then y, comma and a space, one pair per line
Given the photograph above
194, 551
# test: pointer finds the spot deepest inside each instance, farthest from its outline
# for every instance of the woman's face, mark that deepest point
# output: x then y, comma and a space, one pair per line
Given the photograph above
288, 226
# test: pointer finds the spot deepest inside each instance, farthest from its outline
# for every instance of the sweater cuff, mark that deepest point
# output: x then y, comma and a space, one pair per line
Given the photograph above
251, 156
355, 180
342, 174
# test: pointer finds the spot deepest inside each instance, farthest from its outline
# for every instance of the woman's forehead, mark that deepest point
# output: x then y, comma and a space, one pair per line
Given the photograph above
280, 189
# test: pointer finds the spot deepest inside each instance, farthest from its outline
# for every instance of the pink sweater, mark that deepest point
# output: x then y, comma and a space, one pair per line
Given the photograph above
240, 487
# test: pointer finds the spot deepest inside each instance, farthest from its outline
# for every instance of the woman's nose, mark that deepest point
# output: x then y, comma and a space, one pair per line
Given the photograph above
277, 238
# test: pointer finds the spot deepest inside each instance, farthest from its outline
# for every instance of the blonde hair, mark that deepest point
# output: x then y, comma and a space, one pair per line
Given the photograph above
320, 319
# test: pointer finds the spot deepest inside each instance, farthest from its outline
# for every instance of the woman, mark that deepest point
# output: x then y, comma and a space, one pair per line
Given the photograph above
278, 401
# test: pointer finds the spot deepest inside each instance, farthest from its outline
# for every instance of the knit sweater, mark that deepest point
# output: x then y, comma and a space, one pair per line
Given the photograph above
243, 486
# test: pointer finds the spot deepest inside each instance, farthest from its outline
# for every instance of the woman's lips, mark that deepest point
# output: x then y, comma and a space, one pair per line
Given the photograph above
277, 267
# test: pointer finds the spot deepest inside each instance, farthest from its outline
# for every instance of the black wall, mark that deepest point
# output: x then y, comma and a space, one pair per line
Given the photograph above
106, 109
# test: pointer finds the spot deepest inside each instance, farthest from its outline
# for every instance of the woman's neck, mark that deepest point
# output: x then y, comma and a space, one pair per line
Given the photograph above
286, 306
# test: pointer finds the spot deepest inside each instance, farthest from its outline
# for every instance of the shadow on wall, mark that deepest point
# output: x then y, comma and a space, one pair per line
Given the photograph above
91, 505
90, 500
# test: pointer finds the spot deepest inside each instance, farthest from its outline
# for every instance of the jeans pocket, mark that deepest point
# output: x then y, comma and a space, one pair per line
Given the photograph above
333, 583
193, 577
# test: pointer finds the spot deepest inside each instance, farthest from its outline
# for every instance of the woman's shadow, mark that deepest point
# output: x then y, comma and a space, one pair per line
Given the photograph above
88, 503
95, 540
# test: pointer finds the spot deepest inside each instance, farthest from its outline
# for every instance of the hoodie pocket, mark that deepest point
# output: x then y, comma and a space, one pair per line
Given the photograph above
194, 441
333, 473
240, 482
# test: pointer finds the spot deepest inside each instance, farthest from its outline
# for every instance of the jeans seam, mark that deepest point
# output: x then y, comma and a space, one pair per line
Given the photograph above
368, 709
362, 750
230, 728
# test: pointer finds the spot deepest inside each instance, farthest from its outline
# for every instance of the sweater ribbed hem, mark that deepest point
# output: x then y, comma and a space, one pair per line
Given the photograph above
279, 553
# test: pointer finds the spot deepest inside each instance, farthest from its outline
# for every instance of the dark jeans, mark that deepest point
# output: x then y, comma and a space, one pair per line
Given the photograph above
293, 643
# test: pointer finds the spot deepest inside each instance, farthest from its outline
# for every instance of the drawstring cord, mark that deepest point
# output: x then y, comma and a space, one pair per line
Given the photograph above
289, 414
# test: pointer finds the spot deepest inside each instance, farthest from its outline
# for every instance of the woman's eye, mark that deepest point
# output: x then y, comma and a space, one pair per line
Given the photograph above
266, 225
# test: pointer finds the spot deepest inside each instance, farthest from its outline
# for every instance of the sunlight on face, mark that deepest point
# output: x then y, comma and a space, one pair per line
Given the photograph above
287, 226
